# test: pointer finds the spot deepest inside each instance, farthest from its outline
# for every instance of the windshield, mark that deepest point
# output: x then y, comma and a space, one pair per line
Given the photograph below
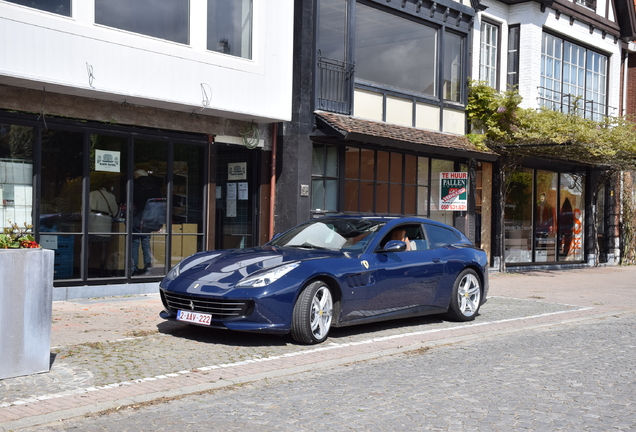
346, 235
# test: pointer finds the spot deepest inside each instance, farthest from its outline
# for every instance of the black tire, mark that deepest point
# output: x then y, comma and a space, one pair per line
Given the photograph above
466, 297
313, 314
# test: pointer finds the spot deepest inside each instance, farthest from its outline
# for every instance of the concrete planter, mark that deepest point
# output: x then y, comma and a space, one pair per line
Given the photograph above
26, 306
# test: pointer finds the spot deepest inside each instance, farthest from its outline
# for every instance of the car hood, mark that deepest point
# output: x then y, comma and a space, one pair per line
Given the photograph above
234, 265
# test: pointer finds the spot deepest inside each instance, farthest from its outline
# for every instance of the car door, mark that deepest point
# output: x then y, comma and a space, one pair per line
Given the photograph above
440, 238
409, 278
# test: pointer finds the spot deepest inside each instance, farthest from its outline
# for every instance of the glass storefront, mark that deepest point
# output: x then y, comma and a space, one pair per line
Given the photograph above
16, 174
236, 197
111, 204
380, 182
544, 216
438, 166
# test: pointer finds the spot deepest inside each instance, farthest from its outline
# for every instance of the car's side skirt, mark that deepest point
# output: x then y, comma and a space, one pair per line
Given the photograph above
404, 313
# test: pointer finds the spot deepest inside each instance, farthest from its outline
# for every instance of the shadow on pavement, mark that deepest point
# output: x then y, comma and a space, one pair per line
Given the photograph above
244, 339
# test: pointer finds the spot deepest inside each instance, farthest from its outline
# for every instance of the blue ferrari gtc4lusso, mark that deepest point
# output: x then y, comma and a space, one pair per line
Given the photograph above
331, 272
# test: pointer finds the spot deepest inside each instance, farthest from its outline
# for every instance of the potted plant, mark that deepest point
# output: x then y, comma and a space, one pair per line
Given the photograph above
26, 303
15, 237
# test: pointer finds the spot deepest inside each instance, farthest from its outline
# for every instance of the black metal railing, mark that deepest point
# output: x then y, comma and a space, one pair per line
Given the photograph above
335, 85
569, 103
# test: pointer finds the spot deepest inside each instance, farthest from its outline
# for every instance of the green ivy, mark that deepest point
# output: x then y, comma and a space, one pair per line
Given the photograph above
500, 124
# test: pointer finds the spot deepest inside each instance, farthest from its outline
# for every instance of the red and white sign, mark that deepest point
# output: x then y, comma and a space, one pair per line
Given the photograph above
453, 191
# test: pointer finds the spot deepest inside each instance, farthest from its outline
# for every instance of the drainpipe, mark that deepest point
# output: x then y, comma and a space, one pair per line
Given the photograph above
272, 182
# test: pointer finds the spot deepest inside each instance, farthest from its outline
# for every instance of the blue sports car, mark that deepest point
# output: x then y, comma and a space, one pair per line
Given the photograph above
331, 272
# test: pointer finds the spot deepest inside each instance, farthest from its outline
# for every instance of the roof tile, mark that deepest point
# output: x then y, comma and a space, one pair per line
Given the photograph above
348, 125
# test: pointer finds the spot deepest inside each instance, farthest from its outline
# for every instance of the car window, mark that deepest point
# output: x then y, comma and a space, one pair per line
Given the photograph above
439, 236
410, 234
351, 235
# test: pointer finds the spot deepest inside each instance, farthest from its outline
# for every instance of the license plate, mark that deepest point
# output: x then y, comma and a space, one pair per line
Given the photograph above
194, 317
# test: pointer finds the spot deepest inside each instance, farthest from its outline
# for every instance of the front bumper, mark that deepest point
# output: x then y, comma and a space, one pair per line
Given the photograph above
264, 310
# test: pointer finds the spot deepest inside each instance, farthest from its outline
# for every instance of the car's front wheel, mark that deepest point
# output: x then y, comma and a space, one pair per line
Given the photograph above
466, 297
313, 312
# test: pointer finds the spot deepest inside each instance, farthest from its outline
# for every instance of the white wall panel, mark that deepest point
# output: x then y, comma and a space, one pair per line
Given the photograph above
45, 50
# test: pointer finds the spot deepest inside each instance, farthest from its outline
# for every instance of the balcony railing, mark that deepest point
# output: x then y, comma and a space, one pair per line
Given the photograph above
335, 85
569, 103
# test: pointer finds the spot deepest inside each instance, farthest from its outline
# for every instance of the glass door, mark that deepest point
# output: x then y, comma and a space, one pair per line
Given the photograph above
236, 197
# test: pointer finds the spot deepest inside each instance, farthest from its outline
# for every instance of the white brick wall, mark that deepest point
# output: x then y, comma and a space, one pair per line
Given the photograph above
532, 22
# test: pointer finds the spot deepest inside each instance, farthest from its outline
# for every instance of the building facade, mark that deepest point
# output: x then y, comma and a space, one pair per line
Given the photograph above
566, 56
380, 91
133, 134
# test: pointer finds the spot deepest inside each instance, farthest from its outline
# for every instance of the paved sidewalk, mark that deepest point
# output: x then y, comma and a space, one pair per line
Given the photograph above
118, 326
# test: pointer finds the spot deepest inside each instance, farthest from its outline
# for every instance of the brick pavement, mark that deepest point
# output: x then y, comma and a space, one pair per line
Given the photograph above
596, 293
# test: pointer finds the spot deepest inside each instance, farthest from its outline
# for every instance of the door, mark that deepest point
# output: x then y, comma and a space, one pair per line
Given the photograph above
236, 197
409, 278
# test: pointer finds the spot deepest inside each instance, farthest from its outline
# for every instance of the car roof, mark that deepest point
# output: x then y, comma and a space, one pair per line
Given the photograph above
394, 220
380, 218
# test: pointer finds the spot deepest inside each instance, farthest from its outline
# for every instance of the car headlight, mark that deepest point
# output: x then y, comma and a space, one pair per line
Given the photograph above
176, 271
267, 277
183, 265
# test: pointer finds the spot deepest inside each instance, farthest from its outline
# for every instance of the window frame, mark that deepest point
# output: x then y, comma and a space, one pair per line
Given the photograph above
99, 20
250, 36
41, 9
545, 100
512, 72
497, 47
324, 178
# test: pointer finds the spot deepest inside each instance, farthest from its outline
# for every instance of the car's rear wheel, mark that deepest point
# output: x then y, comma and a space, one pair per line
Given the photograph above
313, 312
466, 297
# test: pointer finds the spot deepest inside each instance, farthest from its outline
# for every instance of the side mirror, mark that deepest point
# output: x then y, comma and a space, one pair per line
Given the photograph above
394, 246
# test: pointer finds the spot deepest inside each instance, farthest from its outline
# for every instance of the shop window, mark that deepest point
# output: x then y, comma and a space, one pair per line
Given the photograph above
167, 20
571, 217
61, 203
545, 216
16, 175
422, 186
382, 183
230, 27
410, 184
60, 7
324, 179
126, 236
149, 207
107, 202
438, 166
385, 182
518, 217
367, 179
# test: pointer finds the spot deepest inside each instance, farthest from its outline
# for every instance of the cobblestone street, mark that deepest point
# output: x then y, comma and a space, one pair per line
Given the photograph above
550, 351
562, 378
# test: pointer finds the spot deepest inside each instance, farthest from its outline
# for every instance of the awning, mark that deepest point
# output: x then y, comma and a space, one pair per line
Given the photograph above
385, 134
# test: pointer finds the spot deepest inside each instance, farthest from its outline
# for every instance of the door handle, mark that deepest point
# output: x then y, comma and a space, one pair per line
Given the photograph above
436, 260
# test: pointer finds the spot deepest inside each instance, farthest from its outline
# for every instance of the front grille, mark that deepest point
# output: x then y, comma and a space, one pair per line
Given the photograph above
219, 308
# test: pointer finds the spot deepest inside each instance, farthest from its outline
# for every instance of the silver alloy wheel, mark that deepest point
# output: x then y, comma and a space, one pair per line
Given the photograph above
469, 294
321, 312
